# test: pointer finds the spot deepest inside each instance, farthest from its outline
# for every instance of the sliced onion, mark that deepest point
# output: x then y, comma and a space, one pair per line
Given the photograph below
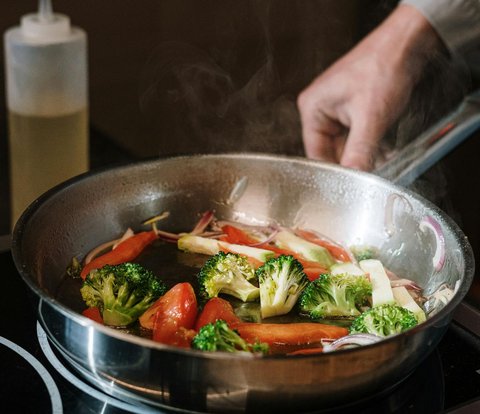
167, 236
438, 258
407, 283
203, 223
268, 239
212, 234
99, 249
159, 217
128, 233
396, 281
107, 245
353, 340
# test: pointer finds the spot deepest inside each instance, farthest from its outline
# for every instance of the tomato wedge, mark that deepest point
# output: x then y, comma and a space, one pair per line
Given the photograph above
286, 338
126, 251
174, 316
94, 314
215, 309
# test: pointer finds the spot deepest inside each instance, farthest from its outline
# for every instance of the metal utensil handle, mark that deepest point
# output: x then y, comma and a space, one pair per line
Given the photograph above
431, 146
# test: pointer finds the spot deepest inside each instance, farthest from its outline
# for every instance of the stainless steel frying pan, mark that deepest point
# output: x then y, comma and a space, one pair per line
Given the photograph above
352, 207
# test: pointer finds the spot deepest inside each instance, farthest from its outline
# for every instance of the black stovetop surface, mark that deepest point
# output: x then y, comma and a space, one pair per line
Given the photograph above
35, 379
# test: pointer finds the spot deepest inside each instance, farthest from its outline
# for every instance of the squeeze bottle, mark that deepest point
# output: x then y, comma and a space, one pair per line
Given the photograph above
47, 103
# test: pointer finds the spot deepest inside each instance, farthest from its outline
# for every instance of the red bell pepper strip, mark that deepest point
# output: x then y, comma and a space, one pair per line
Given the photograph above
175, 315
289, 337
238, 236
126, 251
235, 235
215, 309
314, 272
336, 251
94, 314
307, 351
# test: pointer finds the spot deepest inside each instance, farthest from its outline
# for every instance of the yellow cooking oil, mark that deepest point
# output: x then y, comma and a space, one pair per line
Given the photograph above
44, 151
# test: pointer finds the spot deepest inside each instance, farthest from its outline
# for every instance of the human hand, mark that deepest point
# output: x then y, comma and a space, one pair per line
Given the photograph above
346, 110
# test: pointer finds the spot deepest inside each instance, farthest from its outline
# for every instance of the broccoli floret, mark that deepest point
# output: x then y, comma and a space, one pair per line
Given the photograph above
218, 336
384, 320
228, 273
363, 253
121, 292
281, 281
335, 296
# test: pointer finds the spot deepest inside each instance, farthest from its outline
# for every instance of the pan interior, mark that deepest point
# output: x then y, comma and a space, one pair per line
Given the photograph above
352, 208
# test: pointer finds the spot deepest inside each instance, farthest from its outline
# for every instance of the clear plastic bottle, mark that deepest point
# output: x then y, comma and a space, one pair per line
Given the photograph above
47, 101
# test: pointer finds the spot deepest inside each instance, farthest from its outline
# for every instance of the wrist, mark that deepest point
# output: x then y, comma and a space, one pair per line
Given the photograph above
408, 39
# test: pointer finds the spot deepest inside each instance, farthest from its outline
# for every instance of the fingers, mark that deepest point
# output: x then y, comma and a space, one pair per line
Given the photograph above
362, 145
322, 134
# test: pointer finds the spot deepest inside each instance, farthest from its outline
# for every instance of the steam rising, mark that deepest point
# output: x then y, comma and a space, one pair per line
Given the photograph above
201, 98
235, 88
211, 110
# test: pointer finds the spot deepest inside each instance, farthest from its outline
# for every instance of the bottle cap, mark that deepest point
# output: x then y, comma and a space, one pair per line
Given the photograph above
36, 27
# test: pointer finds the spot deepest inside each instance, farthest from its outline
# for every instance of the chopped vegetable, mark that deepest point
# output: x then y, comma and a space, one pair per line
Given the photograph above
405, 300
281, 281
228, 273
204, 245
314, 273
122, 292
335, 296
363, 253
346, 268
438, 259
74, 270
384, 320
235, 235
215, 309
288, 337
218, 336
381, 288
337, 251
174, 317
126, 251
94, 314
266, 271
197, 244
310, 251
351, 341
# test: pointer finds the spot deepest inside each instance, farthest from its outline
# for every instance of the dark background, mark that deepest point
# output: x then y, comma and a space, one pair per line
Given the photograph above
186, 76
183, 76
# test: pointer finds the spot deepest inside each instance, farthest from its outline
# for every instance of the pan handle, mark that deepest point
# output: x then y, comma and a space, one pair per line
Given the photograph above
432, 145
